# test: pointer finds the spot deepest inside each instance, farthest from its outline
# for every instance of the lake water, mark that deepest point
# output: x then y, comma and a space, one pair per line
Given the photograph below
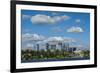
48, 60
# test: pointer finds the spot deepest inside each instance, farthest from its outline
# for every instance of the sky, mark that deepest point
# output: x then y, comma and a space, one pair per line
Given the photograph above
45, 24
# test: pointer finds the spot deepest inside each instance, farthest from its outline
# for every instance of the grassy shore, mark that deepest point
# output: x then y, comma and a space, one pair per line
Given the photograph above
27, 55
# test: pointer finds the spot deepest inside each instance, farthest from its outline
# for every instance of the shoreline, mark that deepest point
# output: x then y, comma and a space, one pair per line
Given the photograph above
50, 60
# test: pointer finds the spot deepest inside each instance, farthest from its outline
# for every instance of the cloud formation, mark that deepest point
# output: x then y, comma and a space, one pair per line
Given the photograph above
45, 19
29, 40
56, 29
77, 20
75, 29
56, 39
29, 45
33, 37
26, 16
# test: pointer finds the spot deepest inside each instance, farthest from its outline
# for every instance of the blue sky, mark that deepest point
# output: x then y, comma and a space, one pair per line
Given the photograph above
50, 23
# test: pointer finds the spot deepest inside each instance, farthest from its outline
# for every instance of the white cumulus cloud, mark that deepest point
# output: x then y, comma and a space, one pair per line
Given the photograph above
59, 39
55, 39
75, 29
34, 37
42, 18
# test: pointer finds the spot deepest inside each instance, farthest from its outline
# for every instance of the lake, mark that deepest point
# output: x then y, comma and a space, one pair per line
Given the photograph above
50, 60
